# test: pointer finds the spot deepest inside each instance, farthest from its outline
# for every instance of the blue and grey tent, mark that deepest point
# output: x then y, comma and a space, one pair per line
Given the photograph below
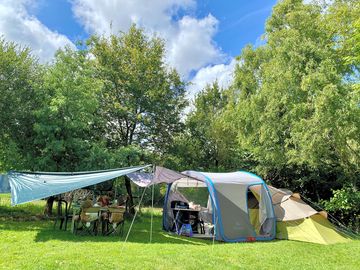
30, 186
239, 205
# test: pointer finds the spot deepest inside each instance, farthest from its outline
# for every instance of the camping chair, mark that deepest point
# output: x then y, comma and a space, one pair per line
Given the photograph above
62, 214
87, 221
116, 221
68, 213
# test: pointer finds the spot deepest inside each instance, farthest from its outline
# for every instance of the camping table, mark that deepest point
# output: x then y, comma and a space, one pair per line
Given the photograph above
187, 213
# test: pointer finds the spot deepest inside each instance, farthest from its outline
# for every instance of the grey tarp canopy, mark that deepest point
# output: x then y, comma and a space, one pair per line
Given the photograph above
30, 186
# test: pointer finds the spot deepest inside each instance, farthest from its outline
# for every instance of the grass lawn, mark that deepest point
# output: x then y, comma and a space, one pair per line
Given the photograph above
28, 242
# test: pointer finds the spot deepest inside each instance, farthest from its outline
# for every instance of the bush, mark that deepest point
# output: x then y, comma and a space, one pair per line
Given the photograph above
345, 205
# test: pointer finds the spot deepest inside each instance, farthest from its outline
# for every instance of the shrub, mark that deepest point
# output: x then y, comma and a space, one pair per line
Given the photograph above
345, 205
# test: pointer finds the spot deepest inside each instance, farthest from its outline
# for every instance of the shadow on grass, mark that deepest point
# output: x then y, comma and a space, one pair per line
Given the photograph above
136, 236
140, 232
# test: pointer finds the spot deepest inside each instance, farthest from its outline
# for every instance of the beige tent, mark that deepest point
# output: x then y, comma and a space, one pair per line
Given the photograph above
296, 220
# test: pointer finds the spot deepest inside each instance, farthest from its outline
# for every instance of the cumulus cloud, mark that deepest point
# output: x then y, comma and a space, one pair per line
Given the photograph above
17, 25
97, 16
192, 47
222, 73
189, 40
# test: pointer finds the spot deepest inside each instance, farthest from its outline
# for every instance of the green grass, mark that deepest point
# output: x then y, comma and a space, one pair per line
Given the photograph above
28, 244
28, 211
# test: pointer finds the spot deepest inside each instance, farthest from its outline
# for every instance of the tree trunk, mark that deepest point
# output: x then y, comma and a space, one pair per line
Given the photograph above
49, 206
130, 200
128, 189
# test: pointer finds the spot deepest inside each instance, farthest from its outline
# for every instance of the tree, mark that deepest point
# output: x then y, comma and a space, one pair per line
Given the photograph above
206, 142
295, 107
20, 75
141, 98
65, 119
202, 125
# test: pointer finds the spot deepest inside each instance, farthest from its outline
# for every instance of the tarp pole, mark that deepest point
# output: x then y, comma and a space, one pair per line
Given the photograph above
136, 211
152, 211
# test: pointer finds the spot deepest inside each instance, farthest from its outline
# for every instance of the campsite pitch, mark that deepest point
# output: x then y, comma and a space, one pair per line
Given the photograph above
30, 242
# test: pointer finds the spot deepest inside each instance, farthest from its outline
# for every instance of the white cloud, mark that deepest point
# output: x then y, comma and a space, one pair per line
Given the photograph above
17, 25
223, 73
192, 47
189, 40
97, 16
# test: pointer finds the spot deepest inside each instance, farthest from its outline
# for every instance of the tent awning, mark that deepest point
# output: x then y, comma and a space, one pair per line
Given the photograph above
26, 186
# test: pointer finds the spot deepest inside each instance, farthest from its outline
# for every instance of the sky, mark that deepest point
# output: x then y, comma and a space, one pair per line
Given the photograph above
202, 37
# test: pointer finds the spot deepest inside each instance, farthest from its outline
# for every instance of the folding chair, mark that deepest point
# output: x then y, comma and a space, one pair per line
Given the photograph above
61, 214
116, 221
87, 221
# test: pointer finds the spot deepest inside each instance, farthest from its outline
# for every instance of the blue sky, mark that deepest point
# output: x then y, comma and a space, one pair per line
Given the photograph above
241, 22
202, 37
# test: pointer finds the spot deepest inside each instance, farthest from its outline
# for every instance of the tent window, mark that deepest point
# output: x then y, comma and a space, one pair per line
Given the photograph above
196, 195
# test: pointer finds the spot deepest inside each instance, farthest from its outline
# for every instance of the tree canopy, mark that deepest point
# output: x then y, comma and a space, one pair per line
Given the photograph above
141, 98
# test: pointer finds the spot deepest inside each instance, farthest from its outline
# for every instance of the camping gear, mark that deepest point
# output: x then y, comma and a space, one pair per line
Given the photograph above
116, 221
63, 214
228, 194
239, 205
186, 230
186, 216
87, 221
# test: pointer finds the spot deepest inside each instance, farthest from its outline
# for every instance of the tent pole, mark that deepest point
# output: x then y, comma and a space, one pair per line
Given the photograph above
136, 211
152, 212
215, 227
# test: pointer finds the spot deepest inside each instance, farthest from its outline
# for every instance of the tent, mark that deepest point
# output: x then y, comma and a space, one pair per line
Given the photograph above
241, 207
298, 221
30, 186
231, 198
